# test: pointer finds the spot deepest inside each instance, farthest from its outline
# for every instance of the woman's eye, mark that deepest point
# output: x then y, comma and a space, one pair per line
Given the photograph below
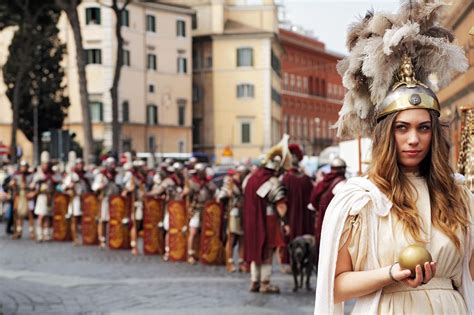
425, 128
400, 127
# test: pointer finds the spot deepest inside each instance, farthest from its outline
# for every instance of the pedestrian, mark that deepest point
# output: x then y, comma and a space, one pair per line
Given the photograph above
264, 213
410, 195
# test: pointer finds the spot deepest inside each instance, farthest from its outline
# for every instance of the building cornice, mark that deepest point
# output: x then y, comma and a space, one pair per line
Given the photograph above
285, 40
174, 8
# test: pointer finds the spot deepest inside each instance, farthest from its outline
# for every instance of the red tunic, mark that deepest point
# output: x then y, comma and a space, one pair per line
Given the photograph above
260, 231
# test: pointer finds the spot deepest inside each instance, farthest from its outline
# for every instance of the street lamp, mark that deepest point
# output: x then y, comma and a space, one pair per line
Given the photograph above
34, 103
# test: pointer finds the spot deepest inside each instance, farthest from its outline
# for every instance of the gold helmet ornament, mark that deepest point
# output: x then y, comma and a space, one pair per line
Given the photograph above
408, 93
278, 156
395, 62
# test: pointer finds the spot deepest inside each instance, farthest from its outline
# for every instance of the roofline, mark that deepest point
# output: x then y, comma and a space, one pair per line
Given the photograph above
165, 6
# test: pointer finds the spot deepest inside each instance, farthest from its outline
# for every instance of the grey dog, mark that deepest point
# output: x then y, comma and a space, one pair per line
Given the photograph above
302, 252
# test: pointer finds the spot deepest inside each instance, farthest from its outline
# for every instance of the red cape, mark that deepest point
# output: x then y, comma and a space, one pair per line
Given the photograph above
300, 218
254, 219
321, 196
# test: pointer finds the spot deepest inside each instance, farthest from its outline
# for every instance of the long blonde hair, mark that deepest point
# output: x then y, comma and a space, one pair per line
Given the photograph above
449, 207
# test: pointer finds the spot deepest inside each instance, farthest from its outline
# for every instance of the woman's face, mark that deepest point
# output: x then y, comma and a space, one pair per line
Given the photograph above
413, 133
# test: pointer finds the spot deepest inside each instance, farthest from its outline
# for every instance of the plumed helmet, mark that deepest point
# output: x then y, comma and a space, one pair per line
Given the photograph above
392, 61
278, 156
338, 163
24, 163
109, 162
296, 153
178, 166
242, 168
171, 169
200, 167
44, 157
128, 166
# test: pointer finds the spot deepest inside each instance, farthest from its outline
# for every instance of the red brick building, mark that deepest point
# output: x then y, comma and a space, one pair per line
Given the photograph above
312, 91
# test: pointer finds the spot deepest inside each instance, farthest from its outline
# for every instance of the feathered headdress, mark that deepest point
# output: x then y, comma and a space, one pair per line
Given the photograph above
378, 44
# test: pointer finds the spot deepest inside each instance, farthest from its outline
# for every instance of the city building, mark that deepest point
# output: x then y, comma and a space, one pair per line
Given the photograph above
458, 96
312, 91
236, 78
155, 109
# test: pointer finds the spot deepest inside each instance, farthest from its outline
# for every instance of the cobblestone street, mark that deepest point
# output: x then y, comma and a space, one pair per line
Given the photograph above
57, 278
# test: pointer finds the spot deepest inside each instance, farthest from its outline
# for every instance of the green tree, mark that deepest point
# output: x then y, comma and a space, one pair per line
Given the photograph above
33, 73
24, 14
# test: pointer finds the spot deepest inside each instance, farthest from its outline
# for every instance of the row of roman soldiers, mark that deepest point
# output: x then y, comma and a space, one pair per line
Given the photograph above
178, 210
112, 206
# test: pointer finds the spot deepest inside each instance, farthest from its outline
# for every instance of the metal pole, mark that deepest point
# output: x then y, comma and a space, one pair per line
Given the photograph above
35, 131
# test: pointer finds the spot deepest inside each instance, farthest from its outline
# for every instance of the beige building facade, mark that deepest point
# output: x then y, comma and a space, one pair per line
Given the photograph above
458, 96
155, 108
236, 78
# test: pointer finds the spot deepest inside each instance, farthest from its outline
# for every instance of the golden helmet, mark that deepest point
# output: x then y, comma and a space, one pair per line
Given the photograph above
278, 156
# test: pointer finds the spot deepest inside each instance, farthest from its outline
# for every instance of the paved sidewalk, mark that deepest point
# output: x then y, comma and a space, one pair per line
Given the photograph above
58, 278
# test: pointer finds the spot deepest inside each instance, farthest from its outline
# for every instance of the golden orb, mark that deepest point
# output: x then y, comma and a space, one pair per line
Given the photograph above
414, 255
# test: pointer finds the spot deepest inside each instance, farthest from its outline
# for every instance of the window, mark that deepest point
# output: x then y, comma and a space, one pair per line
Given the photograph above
97, 112
244, 57
151, 144
276, 64
194, 22
124, 21
181, 146
181, 28
94, 56
181, 112
197, 93
197, 130
151, 88
151, 62
126, 57
152, 115
276, 96
245, 90
209, 62
127, 145
125, 111
150, 23
92, 16
182, 65
245, 132
196, 56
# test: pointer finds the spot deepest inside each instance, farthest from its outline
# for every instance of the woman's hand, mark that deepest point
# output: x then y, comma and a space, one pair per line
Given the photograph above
404, 275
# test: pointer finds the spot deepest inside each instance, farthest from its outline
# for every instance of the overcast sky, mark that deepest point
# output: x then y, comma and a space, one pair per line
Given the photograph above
329, 19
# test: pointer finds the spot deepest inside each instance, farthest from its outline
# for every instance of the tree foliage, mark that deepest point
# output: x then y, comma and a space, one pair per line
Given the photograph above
37, 41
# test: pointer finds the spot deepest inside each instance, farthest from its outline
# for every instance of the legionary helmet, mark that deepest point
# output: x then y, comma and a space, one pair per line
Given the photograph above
278, 156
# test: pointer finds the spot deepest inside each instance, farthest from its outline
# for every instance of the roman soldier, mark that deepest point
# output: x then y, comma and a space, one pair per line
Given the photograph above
20, 186
200, 189
232, 198
298, 186
323, 192
171, 188
44, 182
76, 183
105, 186
134, 182
264, 212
